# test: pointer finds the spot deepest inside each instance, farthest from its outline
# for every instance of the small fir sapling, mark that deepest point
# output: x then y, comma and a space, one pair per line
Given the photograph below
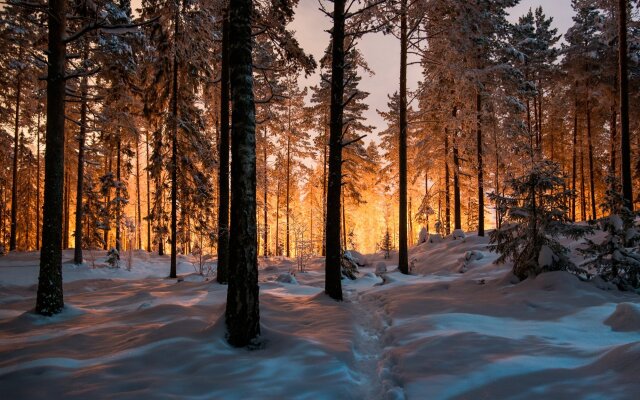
615, 259
537, 217
386, 245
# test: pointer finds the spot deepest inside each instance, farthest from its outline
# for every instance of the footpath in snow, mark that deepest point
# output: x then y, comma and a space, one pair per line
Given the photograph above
436, 334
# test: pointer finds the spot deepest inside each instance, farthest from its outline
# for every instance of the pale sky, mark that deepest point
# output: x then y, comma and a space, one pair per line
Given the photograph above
383, 53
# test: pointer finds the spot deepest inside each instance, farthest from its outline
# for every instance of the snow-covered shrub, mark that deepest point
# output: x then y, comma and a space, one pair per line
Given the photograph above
435, 238
287, 278
458, 234
615, 259
349, 266
381, 267
537, 216
423, 236
113, 258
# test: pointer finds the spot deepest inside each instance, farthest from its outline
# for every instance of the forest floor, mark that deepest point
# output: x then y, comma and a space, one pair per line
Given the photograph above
436, 334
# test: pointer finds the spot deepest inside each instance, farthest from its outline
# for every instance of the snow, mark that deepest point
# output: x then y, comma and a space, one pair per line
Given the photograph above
435, 334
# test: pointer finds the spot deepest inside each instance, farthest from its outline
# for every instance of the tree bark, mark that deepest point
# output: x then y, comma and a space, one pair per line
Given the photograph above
50, 298
265, 235
148, 194
118, 198
403, 254
242, 312
480, 165
333, 284
623, 76
223, 171
447, 180
592, 186
16, 154
174, 146
138, 204
77, 251
574, 159
38, 174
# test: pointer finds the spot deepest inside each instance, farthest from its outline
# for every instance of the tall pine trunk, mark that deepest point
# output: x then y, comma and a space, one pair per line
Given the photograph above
625, 164
50, 298
242, 313
77, 251
403, 256
118, 199
265, 235
223, 171
174, 146
480, 165
592, 186
333, 284
16, 154
138, 204
447, 183
148, 193
38, 174
574, 171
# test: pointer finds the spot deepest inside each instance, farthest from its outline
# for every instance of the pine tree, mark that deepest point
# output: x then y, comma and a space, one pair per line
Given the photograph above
242, 313
537, 216
615, 259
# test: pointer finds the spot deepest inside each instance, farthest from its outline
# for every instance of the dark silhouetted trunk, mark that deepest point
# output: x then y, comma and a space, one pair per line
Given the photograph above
592, 186
148, 193
333, 284
77, 251
16, 154
623, 88
223, 171
480, 165
574, 171
174, 147
457, 219
118, 198
243, 312
38, 208
50, 298
447, 183
265, 235
403, 255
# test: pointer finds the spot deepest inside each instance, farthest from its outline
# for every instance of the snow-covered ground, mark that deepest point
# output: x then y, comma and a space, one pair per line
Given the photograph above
437, 334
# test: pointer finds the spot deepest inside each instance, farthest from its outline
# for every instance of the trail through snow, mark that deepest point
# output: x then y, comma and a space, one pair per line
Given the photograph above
437, 334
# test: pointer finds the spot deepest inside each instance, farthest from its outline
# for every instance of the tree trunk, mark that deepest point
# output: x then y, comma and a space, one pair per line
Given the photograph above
148, 194
242, 313
583, 197
288, 187
16, 154
174, 146
457, 219
447, 180
278, 219
592, 187
614, 139
77, 251
38, 174
324, 192
223, 171
265, 235
480, 165
574, 160
67, 207
333, 284
625, 165
138, 205
50, 298
118, 198
403, 255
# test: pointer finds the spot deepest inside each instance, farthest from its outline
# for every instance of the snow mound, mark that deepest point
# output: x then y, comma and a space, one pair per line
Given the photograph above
626, 318
458, 234
287, 278
381, 267
422, 238
356, 257
435, 238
